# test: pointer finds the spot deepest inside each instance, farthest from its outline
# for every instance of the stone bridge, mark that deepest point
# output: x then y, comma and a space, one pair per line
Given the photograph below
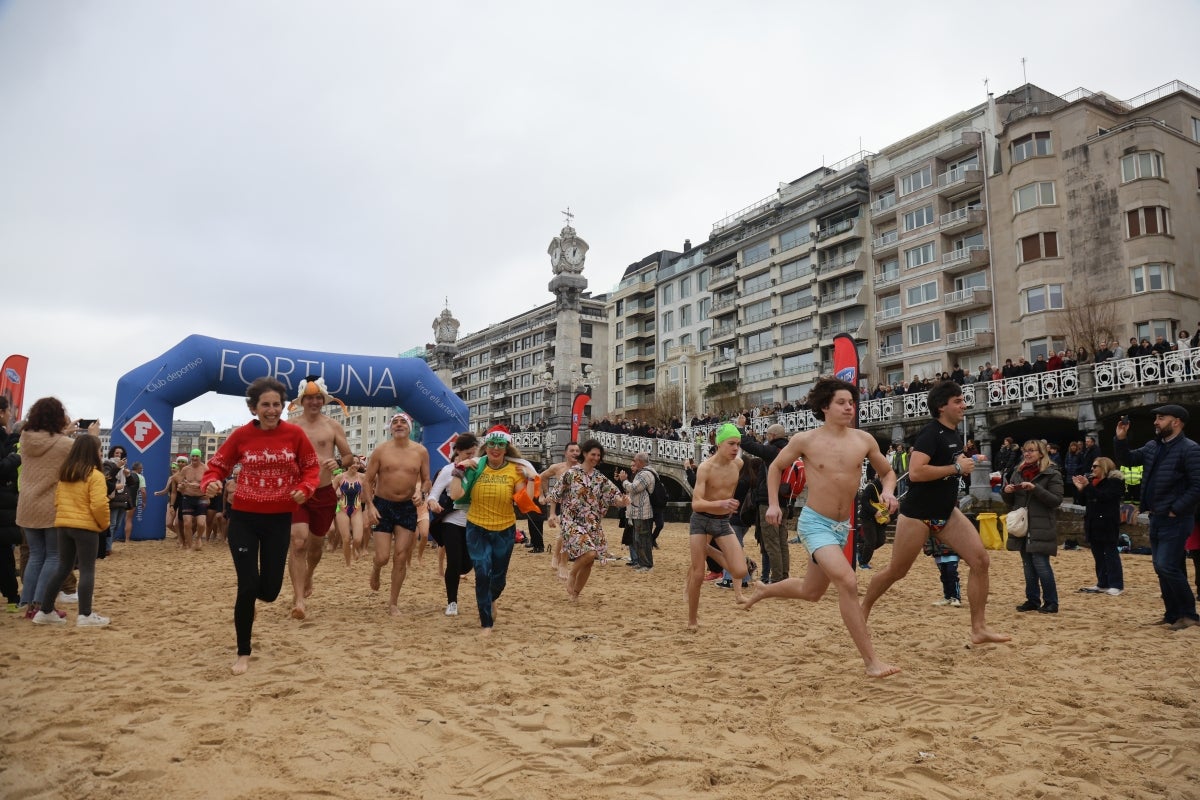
1058, 406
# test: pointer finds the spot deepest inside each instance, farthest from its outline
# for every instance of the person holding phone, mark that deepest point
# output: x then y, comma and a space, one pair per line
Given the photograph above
1036, 485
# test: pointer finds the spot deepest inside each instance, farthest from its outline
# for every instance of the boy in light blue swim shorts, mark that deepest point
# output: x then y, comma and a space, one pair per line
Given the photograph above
817, 530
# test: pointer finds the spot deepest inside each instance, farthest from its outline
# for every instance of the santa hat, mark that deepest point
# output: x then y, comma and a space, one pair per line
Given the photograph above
497, 433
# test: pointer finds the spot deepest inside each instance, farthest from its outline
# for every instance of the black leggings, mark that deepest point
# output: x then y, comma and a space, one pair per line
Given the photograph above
458, 563
259, 546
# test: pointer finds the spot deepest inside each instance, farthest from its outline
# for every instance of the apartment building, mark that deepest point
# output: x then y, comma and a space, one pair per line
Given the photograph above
931, 251
684, 303
498, 371
786, 275
634, 322
1094, 217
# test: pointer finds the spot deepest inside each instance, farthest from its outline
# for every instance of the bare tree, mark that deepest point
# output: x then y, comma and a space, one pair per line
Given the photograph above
668, 403
1087, 320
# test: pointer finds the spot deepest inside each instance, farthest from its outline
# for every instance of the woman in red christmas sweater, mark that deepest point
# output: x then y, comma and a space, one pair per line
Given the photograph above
279, 471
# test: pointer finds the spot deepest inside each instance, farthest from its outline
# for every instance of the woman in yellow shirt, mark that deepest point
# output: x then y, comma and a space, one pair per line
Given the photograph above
81, 513
491, 520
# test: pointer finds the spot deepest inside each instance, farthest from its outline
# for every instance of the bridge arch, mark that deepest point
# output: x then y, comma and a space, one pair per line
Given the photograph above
147, 397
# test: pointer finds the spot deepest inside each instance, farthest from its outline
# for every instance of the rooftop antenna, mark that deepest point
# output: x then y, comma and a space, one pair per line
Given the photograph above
986, 86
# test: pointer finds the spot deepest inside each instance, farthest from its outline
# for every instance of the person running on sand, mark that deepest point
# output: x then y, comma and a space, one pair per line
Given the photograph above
713, 502
279, 470
582, 496
930, 508
550, 479
311, 521
833, 456
397, 470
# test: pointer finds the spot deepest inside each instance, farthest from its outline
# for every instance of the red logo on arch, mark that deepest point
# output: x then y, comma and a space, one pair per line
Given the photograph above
446, 448
142, 431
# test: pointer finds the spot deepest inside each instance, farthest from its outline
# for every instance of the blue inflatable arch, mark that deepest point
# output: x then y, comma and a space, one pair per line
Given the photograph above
147, 397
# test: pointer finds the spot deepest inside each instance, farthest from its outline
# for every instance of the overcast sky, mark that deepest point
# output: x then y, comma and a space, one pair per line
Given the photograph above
325, 174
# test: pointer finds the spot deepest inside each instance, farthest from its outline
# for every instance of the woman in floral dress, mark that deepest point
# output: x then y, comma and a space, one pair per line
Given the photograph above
580, 501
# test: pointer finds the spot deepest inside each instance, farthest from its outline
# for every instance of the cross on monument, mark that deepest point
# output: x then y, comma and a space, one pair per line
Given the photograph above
569, 216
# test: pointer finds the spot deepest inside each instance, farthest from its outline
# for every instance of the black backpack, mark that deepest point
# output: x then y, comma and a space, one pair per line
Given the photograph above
658, 495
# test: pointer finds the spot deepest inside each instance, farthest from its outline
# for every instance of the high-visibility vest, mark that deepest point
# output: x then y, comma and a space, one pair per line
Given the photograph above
1132, 475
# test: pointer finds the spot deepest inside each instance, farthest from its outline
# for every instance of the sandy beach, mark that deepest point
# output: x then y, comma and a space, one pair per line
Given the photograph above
607, 698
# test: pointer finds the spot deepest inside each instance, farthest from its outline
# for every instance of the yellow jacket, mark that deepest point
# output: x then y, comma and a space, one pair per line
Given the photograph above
82, 505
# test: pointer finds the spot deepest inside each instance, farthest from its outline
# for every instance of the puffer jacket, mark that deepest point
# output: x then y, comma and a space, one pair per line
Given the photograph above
82, 504
42, 457
1171, 474
1043, 502
1102, 508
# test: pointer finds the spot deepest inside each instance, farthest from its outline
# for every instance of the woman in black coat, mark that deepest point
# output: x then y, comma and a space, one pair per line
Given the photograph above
1037, 485
1101, 494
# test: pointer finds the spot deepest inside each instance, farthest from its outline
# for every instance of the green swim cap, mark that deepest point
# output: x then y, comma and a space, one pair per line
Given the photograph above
728, 431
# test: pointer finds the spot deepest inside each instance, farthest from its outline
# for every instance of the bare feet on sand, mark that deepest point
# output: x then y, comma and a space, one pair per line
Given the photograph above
755, 596
375, 579
298, 612
881, 670
989, 637
394, 610
241, 665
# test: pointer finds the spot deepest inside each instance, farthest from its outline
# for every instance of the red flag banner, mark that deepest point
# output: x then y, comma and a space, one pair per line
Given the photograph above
581, 401
12, 384
845, 368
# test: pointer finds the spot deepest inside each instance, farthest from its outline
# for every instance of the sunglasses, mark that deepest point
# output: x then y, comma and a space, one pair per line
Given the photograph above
1032, 451
1096, 466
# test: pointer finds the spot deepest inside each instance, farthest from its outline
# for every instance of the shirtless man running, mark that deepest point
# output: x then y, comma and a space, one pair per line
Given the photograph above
311, 520
397, 471
550, 479
833, 456
193, 503
713, 502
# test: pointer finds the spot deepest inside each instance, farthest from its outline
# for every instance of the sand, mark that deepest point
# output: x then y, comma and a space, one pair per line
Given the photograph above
607, 698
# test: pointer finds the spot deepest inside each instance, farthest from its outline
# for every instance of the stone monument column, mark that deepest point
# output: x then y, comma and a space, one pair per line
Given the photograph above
567, 255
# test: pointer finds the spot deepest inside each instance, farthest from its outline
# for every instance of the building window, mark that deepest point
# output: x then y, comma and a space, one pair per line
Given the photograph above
705, 307
1039, 245
756, 312
702, 280
919, 255
759, 370
704, 334
685, 287
619, 377
619, 399
757, 283
668, 294
685, 316
585, 330
885, 199
1033, 195
1152, 329
1152, 278
685, 340
1043, 298
619, 355
585, 350
916, 181
752, 255
1141, 165
793, 238
620, 329
1148, 221
667, 346
925, 293
668, 321
919, 218
620, 309
1196, 129
1044, 347
1030, 145
925, 332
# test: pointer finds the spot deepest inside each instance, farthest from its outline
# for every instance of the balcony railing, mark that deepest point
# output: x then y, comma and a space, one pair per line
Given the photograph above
884, 278
961, 255
958, 175
889, 238
759, 347
963, 296
961, 337
883, 204
887, 313
891, 351
722, 304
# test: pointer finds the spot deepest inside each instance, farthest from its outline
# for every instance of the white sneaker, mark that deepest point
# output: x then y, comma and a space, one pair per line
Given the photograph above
942, 602
73, 597
452, 610
48, 618
1114, 592
92, 620
956, 603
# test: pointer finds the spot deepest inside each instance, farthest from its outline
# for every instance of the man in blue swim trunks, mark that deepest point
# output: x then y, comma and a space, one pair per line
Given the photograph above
930, 508
833, 456
397, 472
